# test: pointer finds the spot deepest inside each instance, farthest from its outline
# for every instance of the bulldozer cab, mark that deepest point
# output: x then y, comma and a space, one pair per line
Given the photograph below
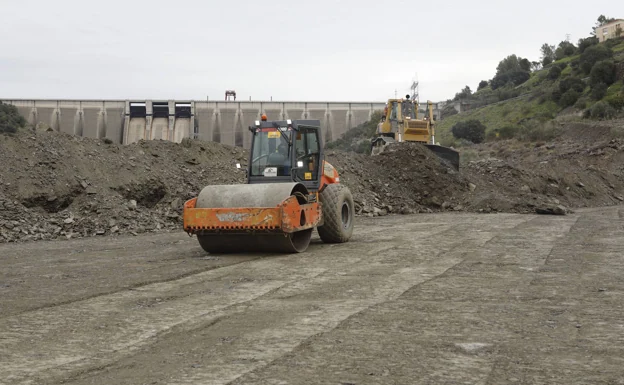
286, 151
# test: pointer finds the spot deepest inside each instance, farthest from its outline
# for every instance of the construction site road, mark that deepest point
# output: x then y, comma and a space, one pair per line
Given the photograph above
430, 299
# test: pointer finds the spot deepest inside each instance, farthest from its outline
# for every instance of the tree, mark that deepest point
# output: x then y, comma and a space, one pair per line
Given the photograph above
602, 110
536, 66
603, 72
463, 94
571, 83
569, 98
512, 69
10, 119
599, 91
510, 78
618, 31
509, 64
594, 54
472, 130
583, 44
602, 20
548, 53
565, 49
554, 73
482, 84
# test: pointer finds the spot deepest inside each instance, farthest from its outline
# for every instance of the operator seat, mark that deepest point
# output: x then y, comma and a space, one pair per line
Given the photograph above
276, 159
280, 160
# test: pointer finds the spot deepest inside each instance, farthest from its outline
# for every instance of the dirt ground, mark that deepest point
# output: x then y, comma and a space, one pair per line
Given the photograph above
442, 298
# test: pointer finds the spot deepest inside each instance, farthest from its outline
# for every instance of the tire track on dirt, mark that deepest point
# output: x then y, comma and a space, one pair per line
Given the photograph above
134, 286
125, 321
336, 363
276, 322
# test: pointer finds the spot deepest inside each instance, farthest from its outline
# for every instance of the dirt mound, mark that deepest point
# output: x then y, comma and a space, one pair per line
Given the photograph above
405, 178
55, 185
525, 178
581, 169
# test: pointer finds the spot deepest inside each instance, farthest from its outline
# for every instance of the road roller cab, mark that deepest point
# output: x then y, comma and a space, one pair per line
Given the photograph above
290, 190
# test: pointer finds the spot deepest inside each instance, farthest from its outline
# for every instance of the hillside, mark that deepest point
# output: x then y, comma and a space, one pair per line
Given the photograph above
586, 85
530, 100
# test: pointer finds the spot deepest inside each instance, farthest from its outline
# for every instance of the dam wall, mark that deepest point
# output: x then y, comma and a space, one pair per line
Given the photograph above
227, 122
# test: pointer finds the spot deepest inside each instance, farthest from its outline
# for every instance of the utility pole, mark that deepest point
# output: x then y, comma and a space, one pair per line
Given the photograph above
414, 88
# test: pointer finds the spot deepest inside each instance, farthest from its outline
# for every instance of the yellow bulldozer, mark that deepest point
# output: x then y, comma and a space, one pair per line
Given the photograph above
400, 123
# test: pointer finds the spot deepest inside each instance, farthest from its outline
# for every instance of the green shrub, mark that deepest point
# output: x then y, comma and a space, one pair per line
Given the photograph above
603, 72
482, 84
472, 130
347, 141
565, 49
554, 73
508, 132
532, 131
569, 98
581, 103
583, 44
599, 90
571, 83
526, 109
10, 119
593, 55
602, 110
514, 78
544, 116
615, 101
505, 94
612, 42
556, 95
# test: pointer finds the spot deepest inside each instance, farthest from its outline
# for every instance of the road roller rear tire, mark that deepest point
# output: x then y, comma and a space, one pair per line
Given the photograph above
338, 214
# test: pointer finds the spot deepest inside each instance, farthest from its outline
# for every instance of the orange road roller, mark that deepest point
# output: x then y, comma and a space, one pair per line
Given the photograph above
290, 191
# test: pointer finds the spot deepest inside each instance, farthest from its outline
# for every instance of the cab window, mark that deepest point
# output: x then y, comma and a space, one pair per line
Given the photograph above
393, 111
307, 151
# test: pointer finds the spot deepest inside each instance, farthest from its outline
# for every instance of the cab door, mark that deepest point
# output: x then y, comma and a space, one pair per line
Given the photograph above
307, 154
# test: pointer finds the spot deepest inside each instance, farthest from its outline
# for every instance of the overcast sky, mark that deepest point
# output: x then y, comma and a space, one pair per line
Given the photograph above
355, 50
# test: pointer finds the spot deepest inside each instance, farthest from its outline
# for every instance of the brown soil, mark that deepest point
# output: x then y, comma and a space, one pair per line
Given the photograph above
58, 186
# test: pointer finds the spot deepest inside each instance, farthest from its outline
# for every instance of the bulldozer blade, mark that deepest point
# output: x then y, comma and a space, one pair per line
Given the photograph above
445, 153
379, 144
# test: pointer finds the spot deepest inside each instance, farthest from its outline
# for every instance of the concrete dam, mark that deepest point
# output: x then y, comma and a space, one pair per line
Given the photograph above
224, 122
